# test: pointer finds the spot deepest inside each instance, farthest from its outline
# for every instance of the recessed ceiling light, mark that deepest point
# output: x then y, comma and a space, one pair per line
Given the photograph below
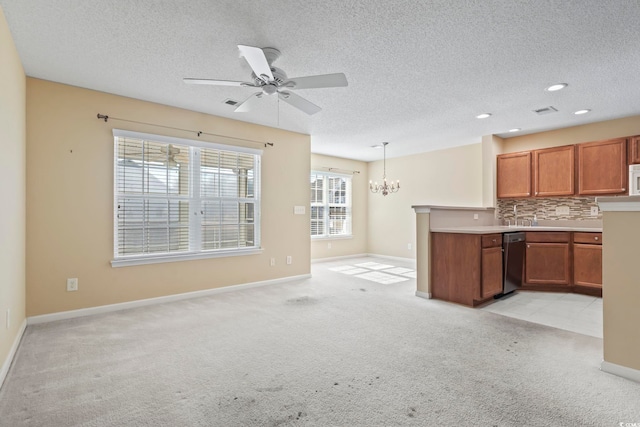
483, 116
581, 112
515, 130
557, 86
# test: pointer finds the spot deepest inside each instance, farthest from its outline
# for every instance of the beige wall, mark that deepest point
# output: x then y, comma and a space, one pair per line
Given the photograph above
70, 201
12, 191
445, 177
574, 135
621, 288
358, 243
491, 146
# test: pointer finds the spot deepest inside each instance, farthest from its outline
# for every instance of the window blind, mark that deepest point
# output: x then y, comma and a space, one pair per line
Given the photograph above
330, 204
175, 196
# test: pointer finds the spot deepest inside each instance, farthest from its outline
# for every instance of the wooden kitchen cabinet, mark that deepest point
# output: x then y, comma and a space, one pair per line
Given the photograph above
602, 167
514, 175
553, 171
587, 260
466, 268
634, 150
547, 260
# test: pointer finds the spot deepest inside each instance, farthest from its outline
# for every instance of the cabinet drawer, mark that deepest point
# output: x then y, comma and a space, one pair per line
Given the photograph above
491, 240
592, 238
547, 236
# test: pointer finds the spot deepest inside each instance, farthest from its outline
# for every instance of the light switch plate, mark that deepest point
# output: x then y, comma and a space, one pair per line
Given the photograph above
299, 210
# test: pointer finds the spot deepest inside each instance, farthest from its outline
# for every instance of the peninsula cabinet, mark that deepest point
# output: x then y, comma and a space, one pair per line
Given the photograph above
514, 175
553, 171
602, 167
466, 268
587, 260
634, 150
547, 260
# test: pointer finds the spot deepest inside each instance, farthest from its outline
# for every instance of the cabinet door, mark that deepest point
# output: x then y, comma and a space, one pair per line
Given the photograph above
547, 263
491, 272
587, 265
634, 150
553, 171
602, 167
514, 175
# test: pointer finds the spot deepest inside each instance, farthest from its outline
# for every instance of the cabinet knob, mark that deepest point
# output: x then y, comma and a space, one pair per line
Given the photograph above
494, 240
528, 246
596, 238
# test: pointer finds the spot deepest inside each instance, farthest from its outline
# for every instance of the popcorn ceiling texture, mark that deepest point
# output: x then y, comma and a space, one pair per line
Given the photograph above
545, 208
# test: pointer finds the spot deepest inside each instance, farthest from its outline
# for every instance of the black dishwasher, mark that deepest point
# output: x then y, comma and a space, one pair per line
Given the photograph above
513, 261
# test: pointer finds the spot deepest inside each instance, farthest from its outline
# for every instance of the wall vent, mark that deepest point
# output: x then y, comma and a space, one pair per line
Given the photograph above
545, 110
229, 101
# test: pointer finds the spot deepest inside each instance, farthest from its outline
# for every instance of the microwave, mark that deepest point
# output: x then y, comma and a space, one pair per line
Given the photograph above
634, 180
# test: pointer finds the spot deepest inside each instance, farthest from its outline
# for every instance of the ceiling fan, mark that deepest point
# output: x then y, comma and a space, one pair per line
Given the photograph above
271, 80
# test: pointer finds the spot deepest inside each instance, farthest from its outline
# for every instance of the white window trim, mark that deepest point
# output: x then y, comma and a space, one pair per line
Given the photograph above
130, 260
349, 206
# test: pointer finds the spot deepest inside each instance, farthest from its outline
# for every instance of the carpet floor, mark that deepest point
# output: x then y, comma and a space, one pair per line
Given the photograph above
333, 350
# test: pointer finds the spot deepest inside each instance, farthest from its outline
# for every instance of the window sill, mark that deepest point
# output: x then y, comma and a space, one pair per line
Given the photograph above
336, 237
158, 259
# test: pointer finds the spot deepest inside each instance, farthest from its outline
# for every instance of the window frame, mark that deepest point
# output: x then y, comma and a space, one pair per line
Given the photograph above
195, 250
327, 205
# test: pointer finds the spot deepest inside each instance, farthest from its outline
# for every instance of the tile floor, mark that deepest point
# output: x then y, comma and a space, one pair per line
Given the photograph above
568, 311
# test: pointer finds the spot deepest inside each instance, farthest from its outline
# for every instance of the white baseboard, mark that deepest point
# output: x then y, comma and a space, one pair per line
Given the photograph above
396, 258
621, 371
7, 363
425, 295
45, 318
337, 258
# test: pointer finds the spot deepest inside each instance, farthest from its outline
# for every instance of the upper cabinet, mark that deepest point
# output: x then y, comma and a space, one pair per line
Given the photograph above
602, 167
553, 171
514, 175
634, 150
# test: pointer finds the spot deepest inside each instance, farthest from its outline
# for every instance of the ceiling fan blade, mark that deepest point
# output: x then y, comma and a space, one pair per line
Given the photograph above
257, 61
215, 82
313, 82
299, 102
249, 103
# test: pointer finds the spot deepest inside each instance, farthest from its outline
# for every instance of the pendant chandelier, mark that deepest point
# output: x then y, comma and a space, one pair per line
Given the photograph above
384, 188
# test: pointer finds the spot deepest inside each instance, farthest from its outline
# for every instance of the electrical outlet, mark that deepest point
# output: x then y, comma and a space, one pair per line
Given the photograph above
594, 211
475, 216
273, 262
562, 210
329, 245
289, 260
8, 318
72, 284
409, 246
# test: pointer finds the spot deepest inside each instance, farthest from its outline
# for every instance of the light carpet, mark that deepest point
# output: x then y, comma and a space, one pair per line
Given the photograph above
333, 350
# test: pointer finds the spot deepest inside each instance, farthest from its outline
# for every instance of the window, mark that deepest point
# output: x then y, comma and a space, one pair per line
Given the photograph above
181, 199
330, 204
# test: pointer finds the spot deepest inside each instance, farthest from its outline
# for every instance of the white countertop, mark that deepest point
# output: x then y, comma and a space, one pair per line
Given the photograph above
487, 229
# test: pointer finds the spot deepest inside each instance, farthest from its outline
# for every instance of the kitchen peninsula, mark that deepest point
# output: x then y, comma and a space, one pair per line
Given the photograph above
459, 254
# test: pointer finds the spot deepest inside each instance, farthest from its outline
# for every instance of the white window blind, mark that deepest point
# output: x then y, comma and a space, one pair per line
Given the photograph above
330, 204
180, 197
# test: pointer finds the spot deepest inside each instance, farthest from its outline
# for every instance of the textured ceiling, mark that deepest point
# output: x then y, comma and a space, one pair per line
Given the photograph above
419, 71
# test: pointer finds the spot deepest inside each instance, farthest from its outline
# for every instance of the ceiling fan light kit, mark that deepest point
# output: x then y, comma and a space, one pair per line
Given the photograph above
271, 80
384, 188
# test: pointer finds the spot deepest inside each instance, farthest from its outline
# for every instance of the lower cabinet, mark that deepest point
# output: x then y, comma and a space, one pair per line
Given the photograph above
466, 268
547, 260
587, 260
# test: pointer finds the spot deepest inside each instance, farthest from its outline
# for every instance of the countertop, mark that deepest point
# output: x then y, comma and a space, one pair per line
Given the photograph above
487, 229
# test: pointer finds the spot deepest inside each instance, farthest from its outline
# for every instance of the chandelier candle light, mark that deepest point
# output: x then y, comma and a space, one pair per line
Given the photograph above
384, 188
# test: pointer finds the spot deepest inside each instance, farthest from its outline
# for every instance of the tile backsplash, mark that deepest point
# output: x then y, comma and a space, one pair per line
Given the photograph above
545, 208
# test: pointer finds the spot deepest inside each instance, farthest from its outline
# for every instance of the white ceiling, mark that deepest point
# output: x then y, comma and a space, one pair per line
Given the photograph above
419, 71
